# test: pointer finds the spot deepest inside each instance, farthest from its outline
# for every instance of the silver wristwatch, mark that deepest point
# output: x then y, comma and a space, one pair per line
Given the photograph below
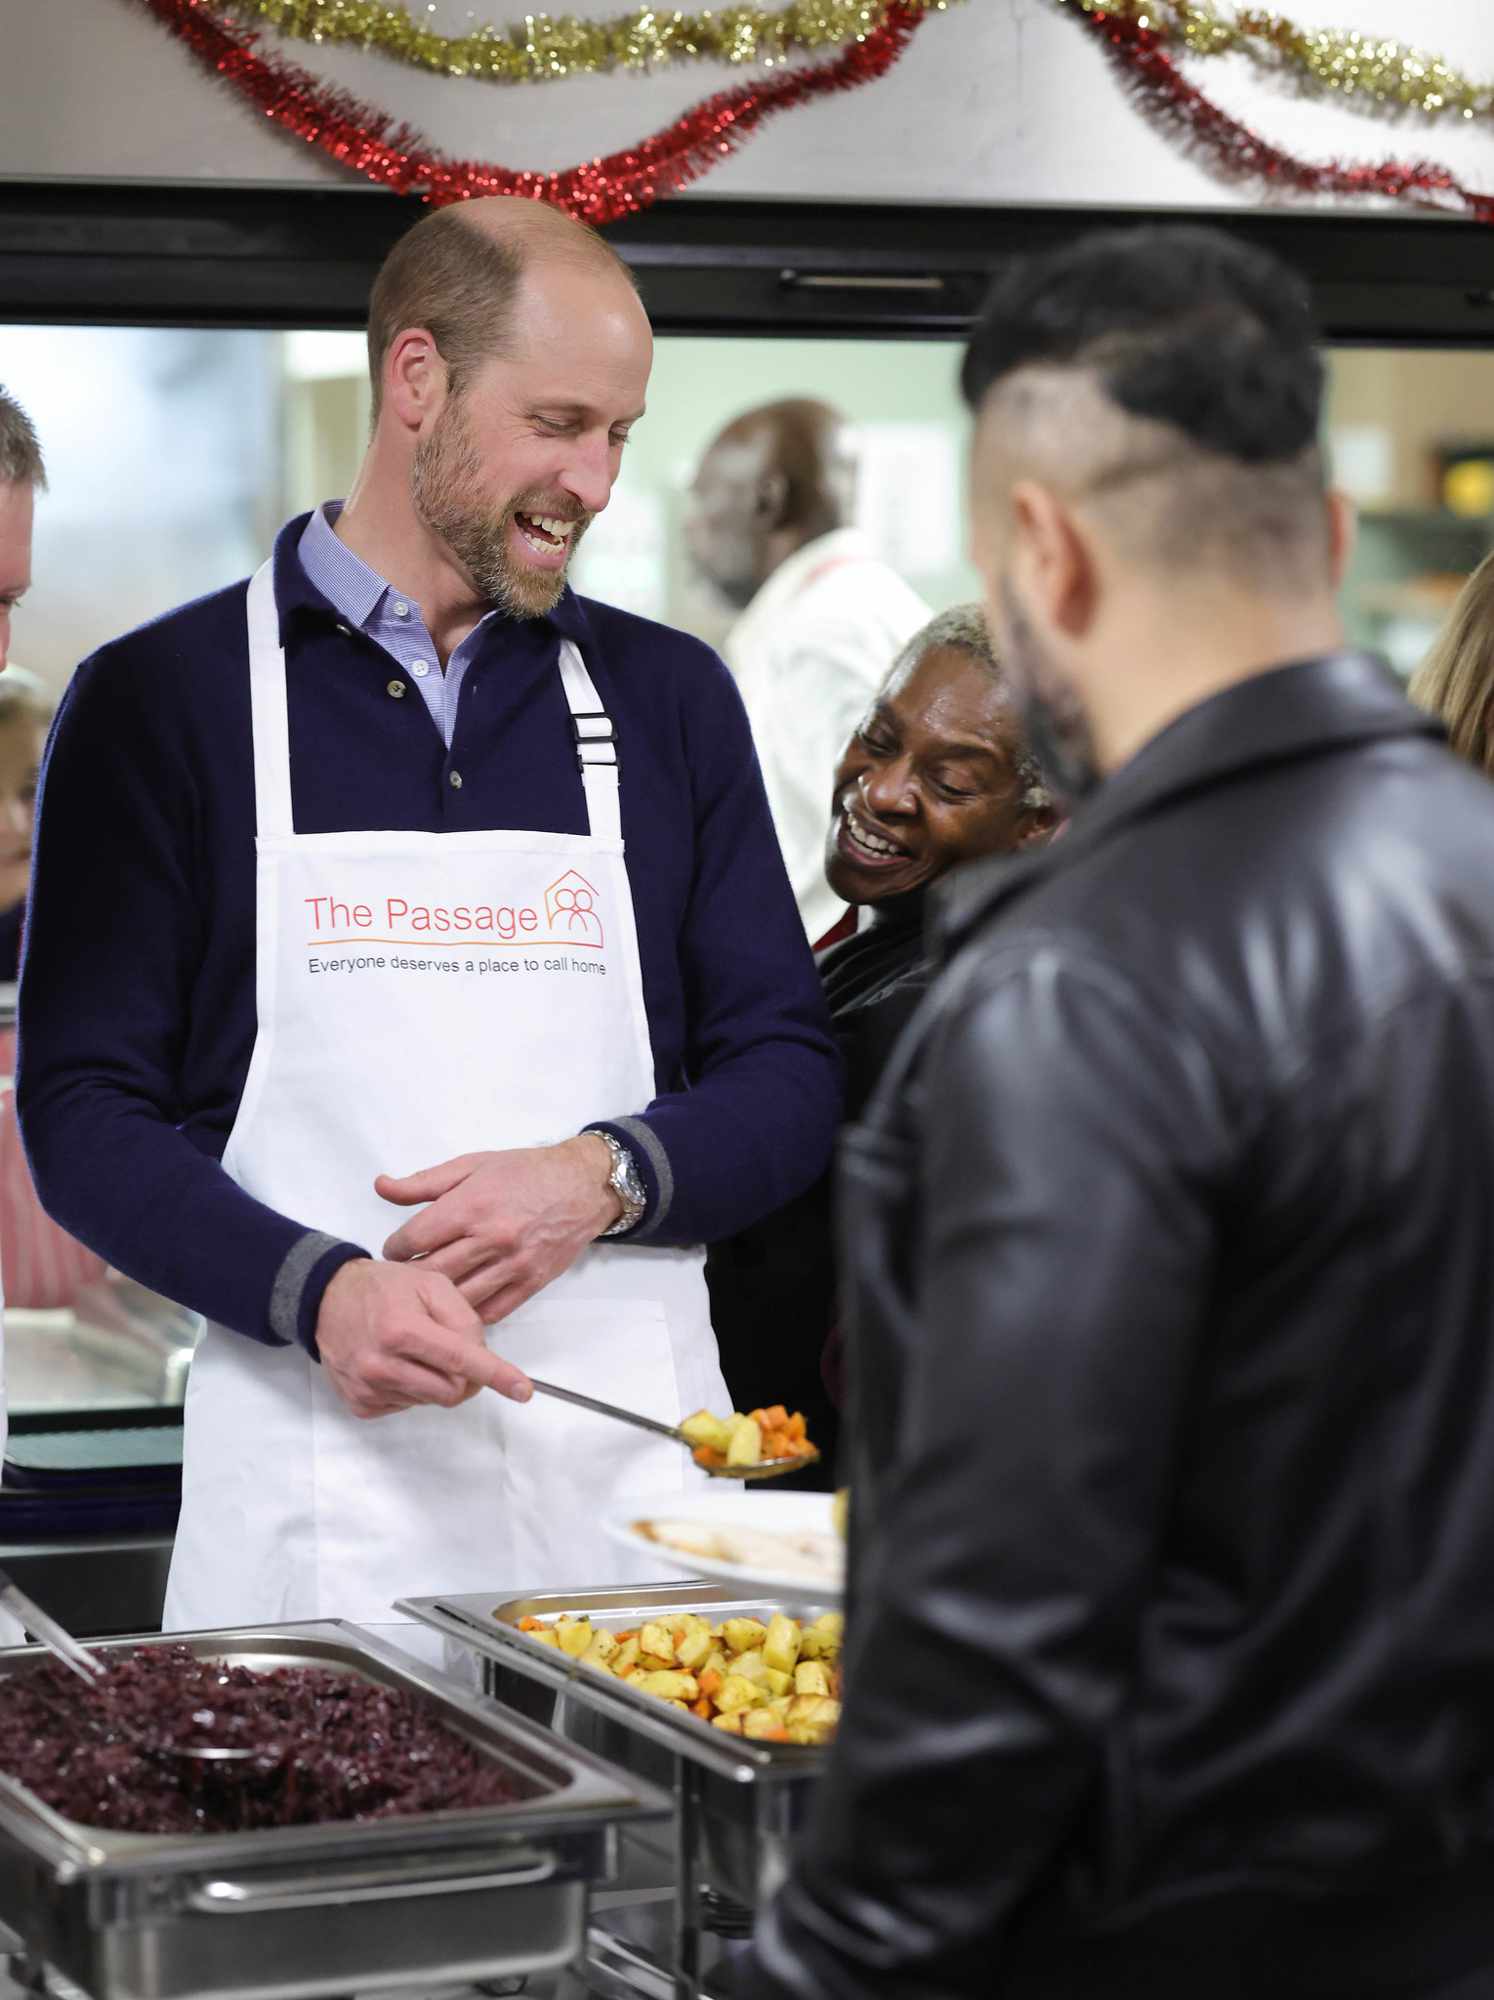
626, 1183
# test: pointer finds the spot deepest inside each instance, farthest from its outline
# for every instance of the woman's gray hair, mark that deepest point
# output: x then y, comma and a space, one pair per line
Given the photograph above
964, 628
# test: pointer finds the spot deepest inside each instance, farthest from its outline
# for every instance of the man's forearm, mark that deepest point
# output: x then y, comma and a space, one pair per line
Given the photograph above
134, 1189
749, 1138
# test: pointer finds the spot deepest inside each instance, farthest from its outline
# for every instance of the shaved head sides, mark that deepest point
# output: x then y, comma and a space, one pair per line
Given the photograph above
1169, 383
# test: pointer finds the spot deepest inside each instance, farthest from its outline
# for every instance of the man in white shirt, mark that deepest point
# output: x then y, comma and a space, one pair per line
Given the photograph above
822, 618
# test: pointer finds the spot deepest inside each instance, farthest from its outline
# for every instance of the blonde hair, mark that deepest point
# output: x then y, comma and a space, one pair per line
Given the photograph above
1456, 679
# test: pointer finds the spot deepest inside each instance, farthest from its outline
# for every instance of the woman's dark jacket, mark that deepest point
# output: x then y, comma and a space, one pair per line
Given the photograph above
773, 1287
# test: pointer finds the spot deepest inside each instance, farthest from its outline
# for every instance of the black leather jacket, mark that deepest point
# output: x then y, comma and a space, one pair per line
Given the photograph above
1170, 1245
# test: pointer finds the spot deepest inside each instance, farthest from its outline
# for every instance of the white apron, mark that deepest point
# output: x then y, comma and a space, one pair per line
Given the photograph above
420, 996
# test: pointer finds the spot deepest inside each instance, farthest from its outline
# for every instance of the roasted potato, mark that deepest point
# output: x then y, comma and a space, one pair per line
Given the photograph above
775, 1683
575, 1635
714, 1433
744, 1635
781, 1647
757, 1438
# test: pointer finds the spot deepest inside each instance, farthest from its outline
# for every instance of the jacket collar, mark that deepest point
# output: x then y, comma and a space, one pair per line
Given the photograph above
1300, 710
297, 597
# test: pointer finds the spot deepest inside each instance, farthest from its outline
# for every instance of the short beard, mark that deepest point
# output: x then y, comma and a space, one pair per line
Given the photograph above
445, 482
1055, 725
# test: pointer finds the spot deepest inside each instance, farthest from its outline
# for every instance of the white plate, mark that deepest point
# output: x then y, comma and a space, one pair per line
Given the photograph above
775, 1564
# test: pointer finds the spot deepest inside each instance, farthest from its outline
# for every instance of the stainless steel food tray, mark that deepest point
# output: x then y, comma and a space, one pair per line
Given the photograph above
738, 1803
488, 1626
476, 1892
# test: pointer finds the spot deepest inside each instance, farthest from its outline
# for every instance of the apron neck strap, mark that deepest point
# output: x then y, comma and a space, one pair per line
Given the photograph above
267, 707
596, 745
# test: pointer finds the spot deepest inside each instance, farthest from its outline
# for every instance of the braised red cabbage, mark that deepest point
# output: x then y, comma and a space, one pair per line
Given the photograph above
328, 1746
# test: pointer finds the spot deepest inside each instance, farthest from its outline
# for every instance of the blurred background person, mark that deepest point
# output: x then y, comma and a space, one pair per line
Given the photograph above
22, 474
24, 715
41, 1265
1456, 679
768, 523
937, 772
44, 1268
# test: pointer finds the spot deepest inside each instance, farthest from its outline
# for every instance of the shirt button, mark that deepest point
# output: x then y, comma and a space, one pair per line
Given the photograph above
396, 688
401, 609
346, 631
455, 781
420, 668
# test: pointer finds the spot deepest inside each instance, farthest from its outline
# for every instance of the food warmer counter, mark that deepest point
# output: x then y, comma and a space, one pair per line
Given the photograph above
479, 1893
738, 1803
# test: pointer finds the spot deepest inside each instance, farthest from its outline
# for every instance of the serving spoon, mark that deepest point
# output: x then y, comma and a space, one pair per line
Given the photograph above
765, 1468
77, 1658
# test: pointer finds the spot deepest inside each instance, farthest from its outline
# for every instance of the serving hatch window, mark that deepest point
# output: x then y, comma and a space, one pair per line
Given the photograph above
175, 453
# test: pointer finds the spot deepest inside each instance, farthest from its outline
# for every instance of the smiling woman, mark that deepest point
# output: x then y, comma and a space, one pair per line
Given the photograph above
937, 774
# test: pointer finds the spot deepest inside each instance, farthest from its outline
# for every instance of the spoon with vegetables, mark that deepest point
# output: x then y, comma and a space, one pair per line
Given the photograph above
764, 1445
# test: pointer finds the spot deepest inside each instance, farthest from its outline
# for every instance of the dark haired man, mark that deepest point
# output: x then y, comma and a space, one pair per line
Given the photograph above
362, 940
1172, 1637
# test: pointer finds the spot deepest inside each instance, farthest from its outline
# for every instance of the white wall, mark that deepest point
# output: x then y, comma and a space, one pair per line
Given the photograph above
997, 101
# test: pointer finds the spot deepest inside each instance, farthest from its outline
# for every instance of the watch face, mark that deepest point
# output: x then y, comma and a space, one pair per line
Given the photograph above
625, 1180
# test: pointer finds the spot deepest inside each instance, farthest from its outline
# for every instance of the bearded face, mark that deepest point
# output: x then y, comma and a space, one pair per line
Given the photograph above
1052, 719
516, 550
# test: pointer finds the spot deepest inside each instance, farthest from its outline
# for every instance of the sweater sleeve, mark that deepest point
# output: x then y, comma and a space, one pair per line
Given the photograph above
755, 1121
114, 939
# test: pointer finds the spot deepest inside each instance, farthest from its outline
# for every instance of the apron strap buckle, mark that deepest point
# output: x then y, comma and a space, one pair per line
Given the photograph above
596, 738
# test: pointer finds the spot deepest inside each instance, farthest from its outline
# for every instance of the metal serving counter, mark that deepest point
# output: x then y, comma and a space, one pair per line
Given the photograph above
738, 1803
479, 1893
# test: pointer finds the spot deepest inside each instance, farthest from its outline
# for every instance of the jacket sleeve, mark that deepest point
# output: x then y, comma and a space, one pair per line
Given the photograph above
114, 933
1067, 1133
755, 1122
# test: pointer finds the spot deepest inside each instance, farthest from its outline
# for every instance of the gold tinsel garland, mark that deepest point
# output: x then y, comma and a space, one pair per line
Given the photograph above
1372, 72
544, 48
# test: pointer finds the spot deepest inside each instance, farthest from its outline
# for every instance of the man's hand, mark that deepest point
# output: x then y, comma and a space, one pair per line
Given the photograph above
391, 1337
501, 1226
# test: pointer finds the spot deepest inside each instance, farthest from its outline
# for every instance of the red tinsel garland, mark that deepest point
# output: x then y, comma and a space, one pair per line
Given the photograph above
371, 143
1166, 95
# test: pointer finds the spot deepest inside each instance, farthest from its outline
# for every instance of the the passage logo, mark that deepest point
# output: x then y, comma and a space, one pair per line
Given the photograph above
570, 916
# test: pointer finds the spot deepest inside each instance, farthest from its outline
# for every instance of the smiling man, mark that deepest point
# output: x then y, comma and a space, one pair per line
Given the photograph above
524, 1125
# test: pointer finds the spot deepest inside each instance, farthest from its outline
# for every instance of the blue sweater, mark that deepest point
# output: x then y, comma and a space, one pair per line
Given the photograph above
137, 992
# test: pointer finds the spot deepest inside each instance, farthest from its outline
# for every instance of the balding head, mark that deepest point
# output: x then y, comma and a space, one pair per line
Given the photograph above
777, 477
458, 274
510, 354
